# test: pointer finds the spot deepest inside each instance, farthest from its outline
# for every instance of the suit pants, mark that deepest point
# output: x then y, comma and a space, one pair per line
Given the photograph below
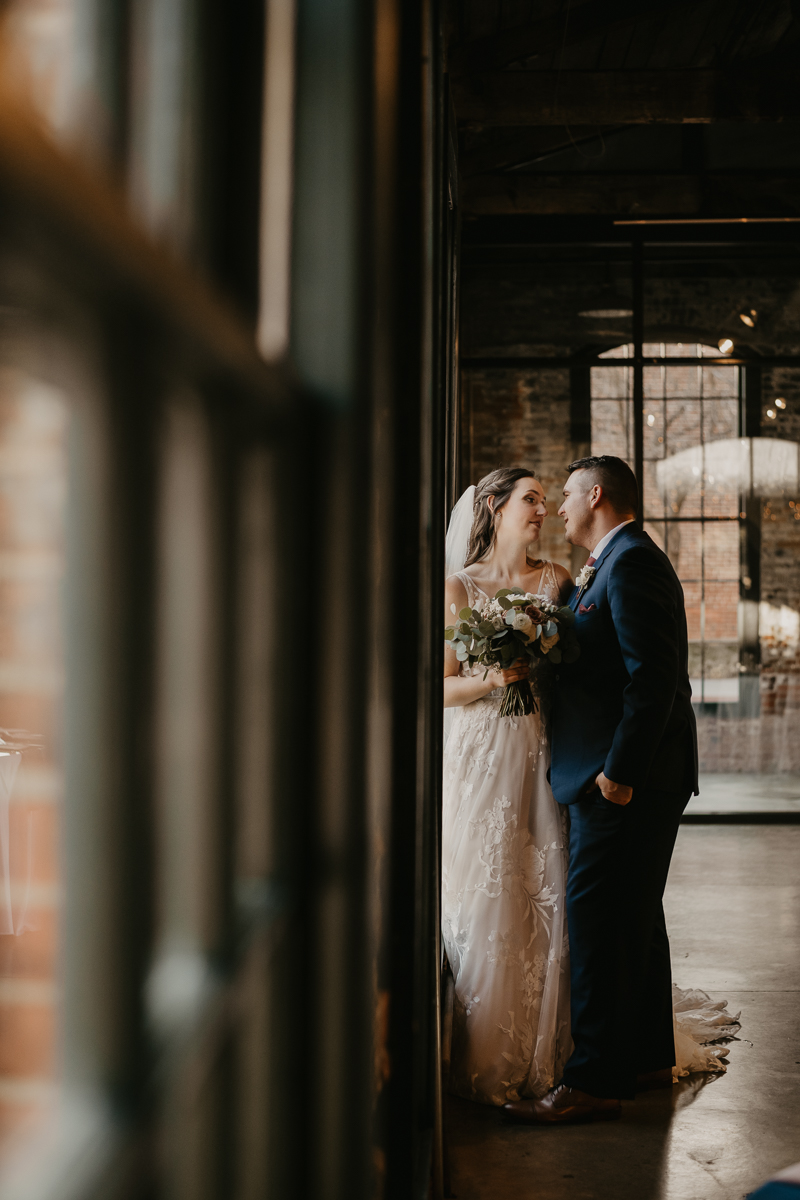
621, 977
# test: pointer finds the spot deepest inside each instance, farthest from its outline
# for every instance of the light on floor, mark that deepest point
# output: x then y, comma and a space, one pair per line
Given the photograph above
749, 318
771, 414
606, 313
725, 345
651, 420
780, 402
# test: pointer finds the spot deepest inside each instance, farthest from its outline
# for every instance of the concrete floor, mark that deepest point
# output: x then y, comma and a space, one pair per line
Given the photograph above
747, 793
733, 909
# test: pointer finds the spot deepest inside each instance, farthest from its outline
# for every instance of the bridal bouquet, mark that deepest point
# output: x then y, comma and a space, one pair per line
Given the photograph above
514, 627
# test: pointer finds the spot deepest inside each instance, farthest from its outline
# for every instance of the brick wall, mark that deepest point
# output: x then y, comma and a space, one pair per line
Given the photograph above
515, 418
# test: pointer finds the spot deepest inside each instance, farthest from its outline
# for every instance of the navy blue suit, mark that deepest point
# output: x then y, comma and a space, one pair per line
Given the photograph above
624, 708
776, 1190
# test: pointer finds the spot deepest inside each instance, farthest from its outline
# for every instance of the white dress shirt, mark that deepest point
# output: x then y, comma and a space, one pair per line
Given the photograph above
601, 545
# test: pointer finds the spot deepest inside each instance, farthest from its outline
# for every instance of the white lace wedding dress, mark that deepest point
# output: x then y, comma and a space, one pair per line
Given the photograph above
504, 867
504, 845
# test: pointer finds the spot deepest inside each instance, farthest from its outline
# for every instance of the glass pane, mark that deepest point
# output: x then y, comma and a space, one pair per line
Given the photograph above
686, 409
721, 553
34, 421
612, 407
612, 427
658, 532
721, 611
680, 478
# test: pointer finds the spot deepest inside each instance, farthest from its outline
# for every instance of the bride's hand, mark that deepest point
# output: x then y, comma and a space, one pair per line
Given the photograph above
514, 674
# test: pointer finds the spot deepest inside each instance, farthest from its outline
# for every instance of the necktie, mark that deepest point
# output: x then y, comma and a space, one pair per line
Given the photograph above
591, 560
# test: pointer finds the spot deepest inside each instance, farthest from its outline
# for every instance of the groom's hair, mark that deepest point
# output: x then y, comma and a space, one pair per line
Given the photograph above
615, 478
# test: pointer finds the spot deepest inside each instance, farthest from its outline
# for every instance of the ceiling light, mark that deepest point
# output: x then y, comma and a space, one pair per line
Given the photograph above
749, 318
725, 345
607, 312
771, 414
780, 402
651, 420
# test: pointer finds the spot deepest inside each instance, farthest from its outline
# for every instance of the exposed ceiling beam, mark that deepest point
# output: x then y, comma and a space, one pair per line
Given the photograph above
508, 238
512, 362
552, 34
526, 146
606, 193
626, 97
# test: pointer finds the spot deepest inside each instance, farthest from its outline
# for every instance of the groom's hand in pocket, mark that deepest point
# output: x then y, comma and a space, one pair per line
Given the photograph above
617, 793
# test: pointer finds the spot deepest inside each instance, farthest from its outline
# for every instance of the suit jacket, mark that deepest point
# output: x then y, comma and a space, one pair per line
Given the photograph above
625, 706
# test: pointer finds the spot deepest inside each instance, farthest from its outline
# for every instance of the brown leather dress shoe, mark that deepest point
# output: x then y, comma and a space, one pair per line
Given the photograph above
562, 1106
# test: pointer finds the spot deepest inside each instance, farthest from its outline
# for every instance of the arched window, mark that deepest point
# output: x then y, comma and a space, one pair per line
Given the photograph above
724, 506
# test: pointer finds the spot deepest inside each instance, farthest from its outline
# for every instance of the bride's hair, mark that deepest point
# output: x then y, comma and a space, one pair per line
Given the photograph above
499, 484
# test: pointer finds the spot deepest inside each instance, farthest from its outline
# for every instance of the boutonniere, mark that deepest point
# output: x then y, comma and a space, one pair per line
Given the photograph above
584, 578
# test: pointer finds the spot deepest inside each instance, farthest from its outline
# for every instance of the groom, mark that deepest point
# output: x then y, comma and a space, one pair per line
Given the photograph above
625, 761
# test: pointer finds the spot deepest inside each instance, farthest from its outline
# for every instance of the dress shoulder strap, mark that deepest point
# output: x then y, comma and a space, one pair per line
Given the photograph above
471, 587
549, 583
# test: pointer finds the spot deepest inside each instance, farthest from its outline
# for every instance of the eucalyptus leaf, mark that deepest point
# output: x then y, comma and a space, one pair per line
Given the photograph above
486, 628
504, 602
503, 592
466, 614
461, 652
449, 633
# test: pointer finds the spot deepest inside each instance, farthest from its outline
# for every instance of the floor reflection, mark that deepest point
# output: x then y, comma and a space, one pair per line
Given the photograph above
717, 1136
737, 792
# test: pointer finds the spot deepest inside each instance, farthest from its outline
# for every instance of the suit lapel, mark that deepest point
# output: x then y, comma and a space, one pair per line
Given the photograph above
623, 536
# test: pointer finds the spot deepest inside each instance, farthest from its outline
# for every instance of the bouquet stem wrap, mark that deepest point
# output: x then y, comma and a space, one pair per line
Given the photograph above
518, 699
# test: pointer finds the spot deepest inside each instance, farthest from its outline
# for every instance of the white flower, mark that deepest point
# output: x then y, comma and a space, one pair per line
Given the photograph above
522, 622
494, 613
585, 577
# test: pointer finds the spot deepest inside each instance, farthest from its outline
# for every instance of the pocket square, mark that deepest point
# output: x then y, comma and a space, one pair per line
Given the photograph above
583, 609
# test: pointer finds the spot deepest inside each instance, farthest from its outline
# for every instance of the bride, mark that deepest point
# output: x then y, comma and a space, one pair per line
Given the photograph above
504, 837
